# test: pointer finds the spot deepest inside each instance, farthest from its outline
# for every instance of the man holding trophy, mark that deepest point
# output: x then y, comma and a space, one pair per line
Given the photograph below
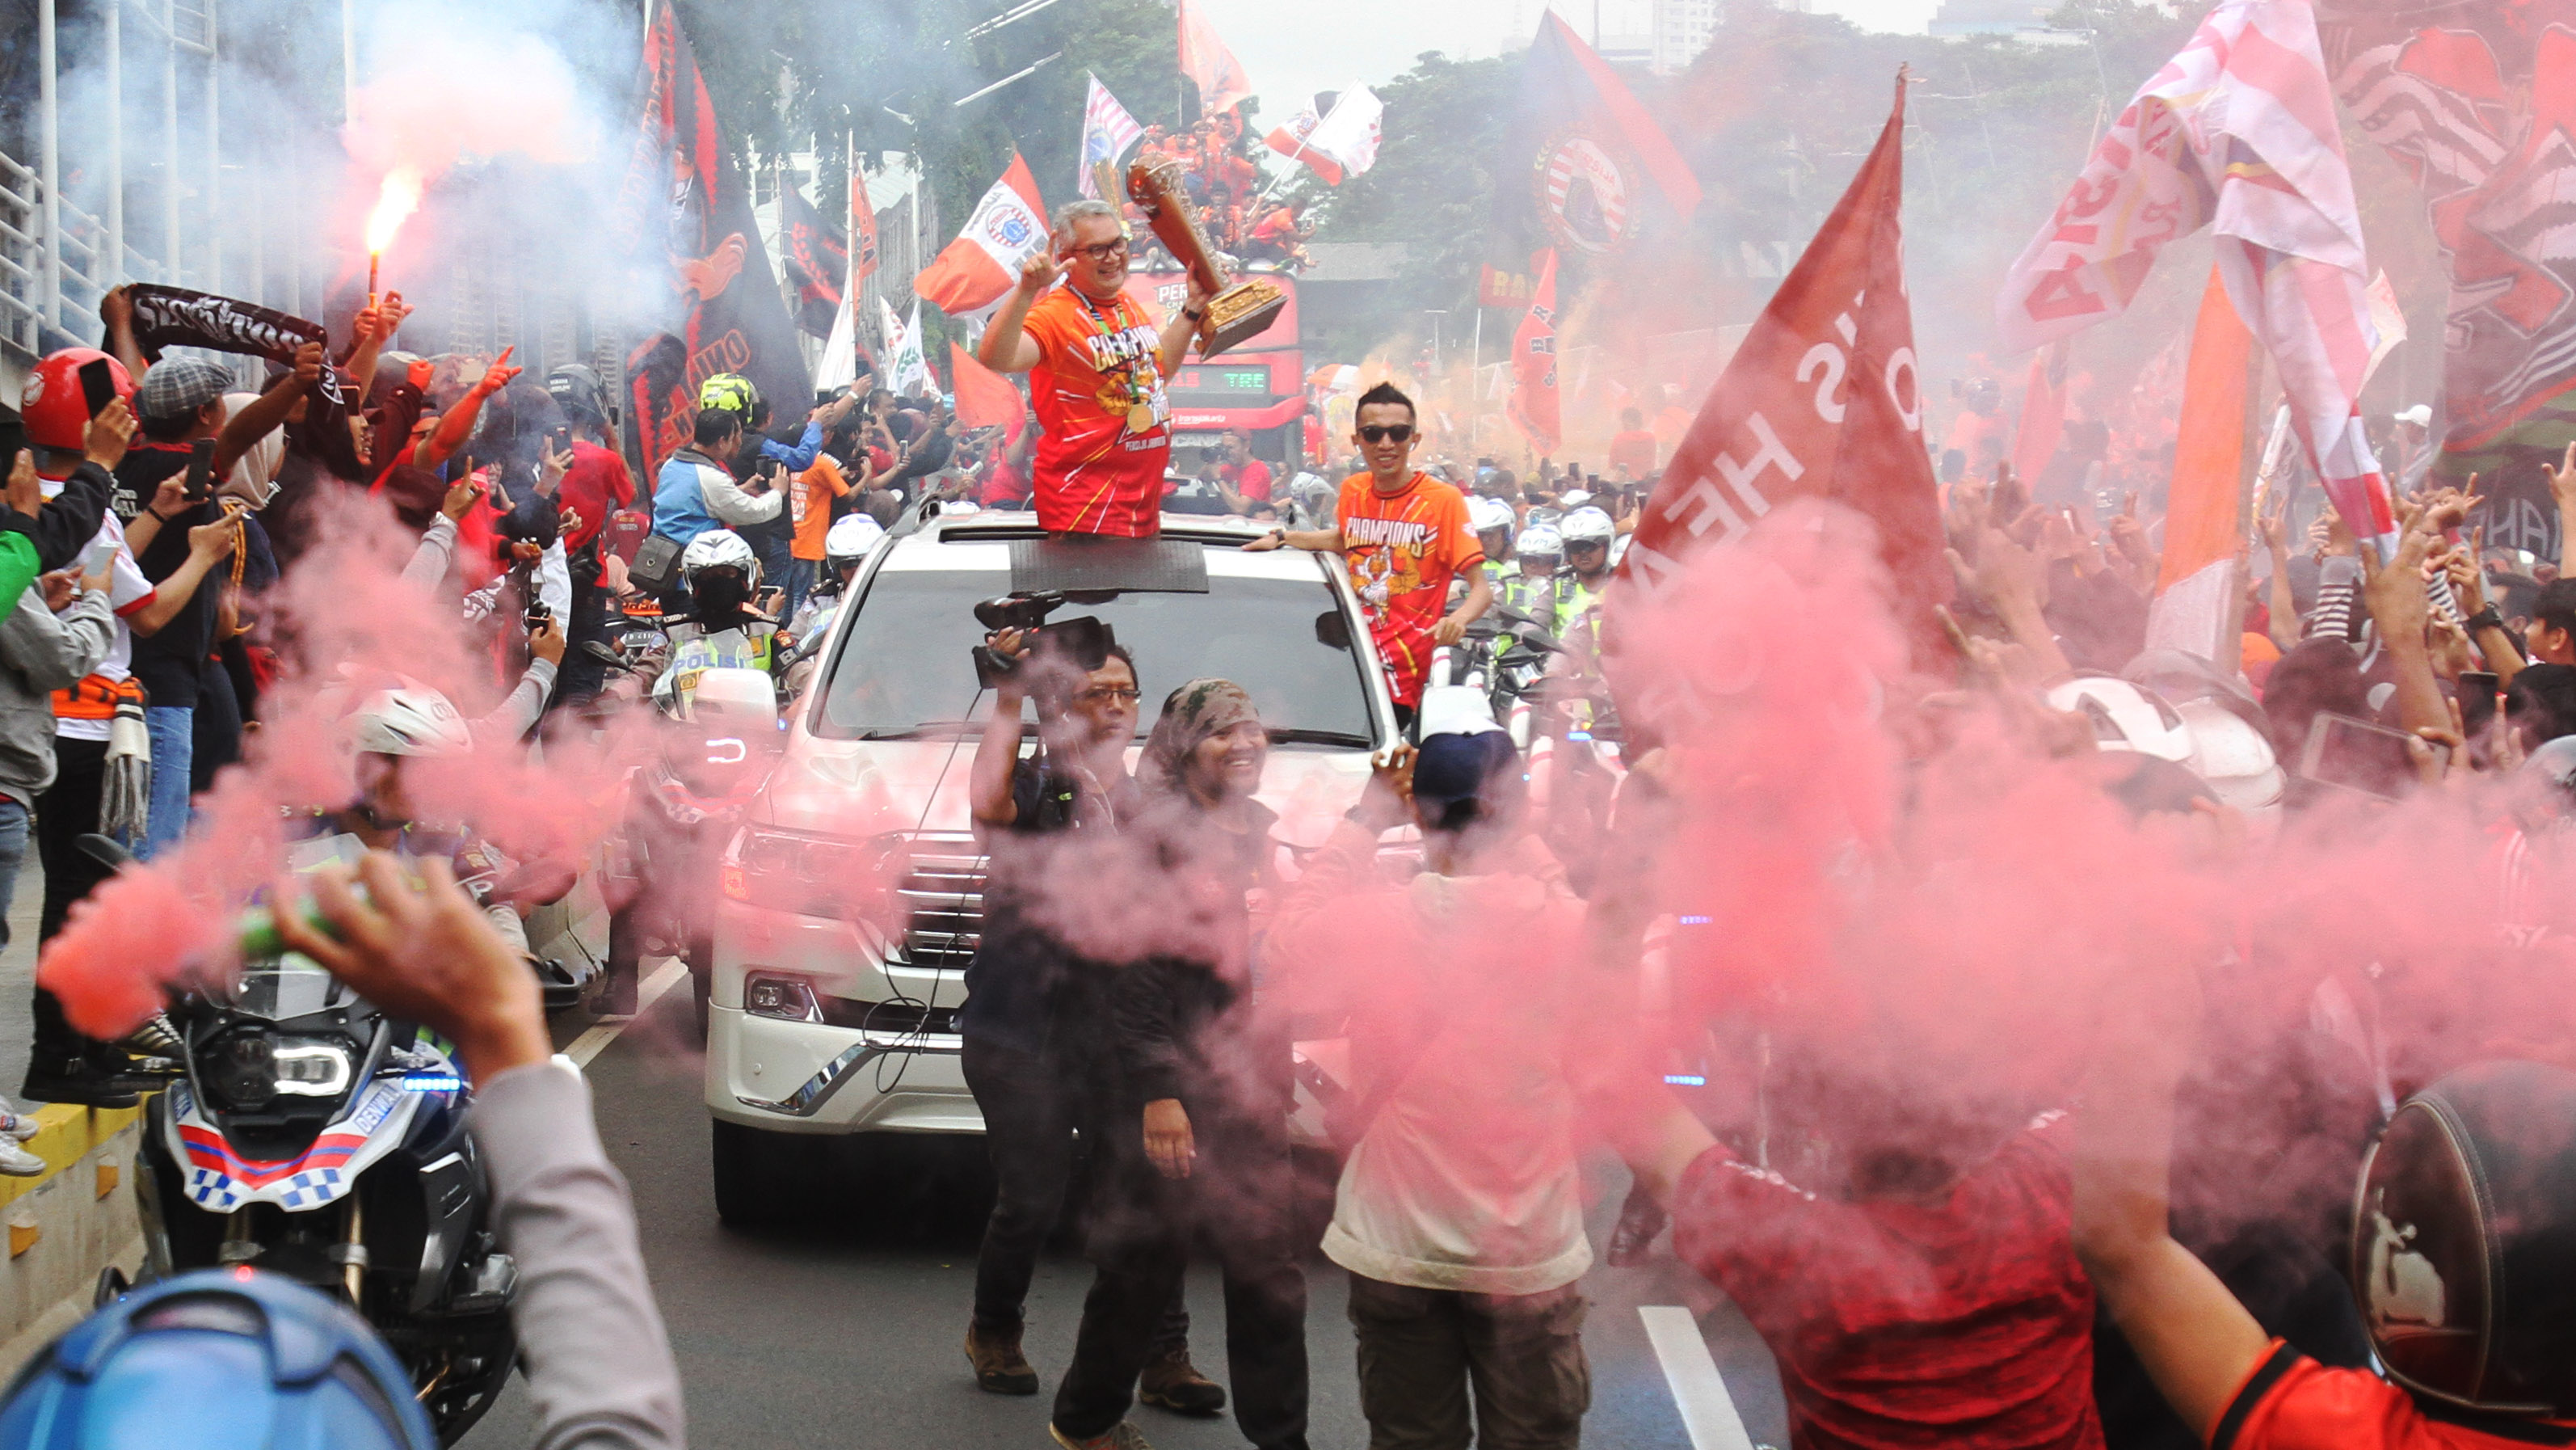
1096, 360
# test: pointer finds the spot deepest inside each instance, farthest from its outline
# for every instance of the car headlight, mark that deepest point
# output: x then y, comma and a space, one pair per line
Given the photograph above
814, 875
252, 1071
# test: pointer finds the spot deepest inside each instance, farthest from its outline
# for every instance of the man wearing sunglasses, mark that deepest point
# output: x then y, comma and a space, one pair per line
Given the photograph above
1404, 536
1096, 361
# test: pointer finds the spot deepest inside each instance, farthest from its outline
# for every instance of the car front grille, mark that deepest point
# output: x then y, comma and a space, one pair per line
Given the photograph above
943, 899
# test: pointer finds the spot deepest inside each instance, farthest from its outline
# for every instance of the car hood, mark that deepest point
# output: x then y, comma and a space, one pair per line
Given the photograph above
871, 787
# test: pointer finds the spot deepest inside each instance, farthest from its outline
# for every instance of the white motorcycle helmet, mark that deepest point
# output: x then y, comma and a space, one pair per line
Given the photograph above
2233, 758
849, 541
1587, 526
1580, 498
1488, 513
2125, 716
1541, 541
720, 549
406, 719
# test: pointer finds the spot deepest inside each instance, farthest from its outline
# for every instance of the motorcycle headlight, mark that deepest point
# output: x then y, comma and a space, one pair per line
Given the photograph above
251, 1071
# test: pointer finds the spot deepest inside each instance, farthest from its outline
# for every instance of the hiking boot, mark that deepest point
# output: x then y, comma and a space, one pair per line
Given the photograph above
80, 1080
1170, 1383
1121, 1436
1000, 1368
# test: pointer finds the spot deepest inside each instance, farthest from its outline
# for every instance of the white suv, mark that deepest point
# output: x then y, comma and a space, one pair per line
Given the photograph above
824, 1017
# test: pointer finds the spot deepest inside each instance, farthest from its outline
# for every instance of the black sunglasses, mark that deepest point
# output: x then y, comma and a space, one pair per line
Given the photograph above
1379, 432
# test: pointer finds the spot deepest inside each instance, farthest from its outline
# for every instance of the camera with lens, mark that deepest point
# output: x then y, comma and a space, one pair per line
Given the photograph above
1083, 642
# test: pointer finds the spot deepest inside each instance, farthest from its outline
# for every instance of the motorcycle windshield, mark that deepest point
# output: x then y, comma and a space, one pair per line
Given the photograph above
279, 989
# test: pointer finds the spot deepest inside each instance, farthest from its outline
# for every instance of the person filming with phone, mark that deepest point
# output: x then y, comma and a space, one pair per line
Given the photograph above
1036, 1016
1096, 361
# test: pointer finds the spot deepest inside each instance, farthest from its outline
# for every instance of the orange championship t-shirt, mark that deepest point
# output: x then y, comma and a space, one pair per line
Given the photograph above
809, 505
1402, 550
1097, 361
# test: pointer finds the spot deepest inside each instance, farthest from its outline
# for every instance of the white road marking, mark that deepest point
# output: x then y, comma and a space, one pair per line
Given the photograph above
595, 1041
1708, 1411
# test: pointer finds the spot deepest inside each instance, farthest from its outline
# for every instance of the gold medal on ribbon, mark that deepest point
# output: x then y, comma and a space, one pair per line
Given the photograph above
1140, 418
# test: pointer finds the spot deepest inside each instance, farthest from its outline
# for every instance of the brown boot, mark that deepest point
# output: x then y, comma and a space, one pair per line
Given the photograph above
1169, 1382
1000, 1368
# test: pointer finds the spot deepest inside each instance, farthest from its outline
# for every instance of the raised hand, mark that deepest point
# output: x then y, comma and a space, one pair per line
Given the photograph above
109, 434
1039, 272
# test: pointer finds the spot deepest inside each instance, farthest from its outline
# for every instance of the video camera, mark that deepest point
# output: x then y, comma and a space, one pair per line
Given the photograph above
1083, 642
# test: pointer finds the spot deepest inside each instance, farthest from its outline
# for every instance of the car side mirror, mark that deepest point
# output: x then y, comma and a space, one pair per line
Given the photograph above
1333, 630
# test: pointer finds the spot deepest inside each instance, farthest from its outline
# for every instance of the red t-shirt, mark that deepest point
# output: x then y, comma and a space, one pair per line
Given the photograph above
1402, 550
595, 486
1637, 450
1907, 1323
1252, 480
1097, 362
2291, 1402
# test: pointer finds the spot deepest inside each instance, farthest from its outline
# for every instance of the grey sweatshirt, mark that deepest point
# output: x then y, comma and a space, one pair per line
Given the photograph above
599, 1366
41, 652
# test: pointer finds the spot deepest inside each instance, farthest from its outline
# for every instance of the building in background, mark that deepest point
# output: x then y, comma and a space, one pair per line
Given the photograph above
1991, 17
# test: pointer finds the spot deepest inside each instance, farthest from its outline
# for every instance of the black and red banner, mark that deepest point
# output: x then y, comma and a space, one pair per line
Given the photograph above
687, 203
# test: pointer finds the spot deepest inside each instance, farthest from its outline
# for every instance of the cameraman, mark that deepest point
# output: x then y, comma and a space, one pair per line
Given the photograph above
1034, 1016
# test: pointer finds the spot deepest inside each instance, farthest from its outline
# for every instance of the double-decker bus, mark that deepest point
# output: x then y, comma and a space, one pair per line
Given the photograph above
1259, 386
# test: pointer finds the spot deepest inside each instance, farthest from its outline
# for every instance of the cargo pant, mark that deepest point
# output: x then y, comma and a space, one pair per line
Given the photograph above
1421, 1349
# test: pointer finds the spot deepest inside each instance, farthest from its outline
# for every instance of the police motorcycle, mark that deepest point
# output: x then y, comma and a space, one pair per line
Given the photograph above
310, 1135
717, 730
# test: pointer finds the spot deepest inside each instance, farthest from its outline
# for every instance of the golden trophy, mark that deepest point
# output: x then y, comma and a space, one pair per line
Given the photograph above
1235, 314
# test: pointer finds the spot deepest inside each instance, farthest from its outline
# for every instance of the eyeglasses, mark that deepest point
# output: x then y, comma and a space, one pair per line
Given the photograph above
1106, 694
1379, 432
1103, 251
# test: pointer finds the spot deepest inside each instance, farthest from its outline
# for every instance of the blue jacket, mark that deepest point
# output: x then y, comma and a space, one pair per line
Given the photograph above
694, 495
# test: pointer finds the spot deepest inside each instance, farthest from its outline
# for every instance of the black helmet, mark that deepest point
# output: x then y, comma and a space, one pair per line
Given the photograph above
577, 391
2464, 1241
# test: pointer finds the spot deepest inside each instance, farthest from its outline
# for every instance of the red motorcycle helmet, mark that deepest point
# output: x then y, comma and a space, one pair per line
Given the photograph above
55, 407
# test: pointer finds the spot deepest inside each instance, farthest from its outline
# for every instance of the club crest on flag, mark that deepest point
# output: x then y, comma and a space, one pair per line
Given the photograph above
1584, 199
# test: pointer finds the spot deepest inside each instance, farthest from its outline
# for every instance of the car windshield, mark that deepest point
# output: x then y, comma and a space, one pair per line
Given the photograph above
904, 668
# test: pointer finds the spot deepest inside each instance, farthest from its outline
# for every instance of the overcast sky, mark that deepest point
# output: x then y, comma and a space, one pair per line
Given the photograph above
1294, 50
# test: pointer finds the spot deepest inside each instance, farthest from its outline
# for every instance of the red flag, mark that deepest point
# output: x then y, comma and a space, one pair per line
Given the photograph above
863, 229
982, 266
2196, 586
1205, 59
985, 398
1534, 402
2043, 413
1822, 399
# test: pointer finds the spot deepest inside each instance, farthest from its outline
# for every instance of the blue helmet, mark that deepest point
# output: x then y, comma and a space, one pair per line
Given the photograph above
220, 1359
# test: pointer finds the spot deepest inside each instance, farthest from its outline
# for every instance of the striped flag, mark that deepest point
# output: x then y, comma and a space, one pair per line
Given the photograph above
983, 264
2196, 588
2238, 133
1107, 132
1534, 404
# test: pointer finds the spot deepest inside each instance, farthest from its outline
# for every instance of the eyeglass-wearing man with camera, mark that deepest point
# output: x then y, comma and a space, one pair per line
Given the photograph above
1096, 361
1032, 1018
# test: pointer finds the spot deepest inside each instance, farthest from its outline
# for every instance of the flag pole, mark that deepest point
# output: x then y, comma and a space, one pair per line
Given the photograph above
1340, 101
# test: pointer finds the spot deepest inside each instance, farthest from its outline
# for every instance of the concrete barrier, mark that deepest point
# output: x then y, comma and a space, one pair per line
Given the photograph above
66, 1226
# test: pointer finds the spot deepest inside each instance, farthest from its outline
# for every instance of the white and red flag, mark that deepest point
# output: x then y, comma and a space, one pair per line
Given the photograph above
1822, 399
1204, 59
983, 264
2237, 133
1107, 132
1534, 407
1338, 145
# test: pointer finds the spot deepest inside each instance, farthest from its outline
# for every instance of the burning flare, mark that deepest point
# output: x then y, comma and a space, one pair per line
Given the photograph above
394, 205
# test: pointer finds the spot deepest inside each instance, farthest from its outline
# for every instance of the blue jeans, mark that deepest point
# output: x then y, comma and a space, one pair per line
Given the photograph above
174, 749
799, 583
13, 854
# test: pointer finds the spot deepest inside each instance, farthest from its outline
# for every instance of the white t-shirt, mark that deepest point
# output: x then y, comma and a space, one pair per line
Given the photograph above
127, 591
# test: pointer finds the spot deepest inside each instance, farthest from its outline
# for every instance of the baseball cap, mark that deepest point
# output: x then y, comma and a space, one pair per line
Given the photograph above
2421, 415
1452, 770
179, 386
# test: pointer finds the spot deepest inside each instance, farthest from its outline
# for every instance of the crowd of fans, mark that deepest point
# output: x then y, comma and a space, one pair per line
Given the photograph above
1223, 184
1911, 1294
